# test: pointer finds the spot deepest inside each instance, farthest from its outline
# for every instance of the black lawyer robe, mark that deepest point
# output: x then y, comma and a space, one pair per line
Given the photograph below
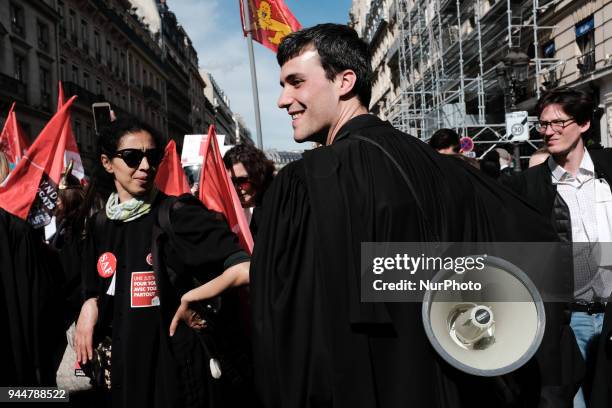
315, 343
30, 307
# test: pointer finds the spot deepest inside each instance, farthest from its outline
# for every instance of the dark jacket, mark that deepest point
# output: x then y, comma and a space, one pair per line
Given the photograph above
535, 184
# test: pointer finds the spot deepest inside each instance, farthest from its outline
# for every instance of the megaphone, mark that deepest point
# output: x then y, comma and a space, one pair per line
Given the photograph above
491, 332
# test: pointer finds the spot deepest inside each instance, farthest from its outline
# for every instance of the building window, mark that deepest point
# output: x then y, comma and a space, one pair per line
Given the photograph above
77, 132
45, 88
116, 60
63, 70
72, 27
86, 80
109, 55
548, 50
97, 46
122, 66
585, 39
17, 20
89, 138
75, 74
60, 11
85, 35
20, 68
43, 35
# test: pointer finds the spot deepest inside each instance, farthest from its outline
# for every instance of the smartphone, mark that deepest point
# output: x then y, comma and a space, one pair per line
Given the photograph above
101, 115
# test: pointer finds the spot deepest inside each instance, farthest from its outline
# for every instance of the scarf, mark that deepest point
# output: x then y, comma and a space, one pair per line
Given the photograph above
128, 210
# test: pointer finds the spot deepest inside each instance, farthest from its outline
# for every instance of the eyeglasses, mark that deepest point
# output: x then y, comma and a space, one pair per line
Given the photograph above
242, 182
133, 157
556, 125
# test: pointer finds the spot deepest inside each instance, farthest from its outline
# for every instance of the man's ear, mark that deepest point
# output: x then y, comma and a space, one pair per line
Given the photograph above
585, 127
347, 79
106, 163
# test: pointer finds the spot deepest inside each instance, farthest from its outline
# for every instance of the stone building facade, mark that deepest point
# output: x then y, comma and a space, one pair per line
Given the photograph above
28, 61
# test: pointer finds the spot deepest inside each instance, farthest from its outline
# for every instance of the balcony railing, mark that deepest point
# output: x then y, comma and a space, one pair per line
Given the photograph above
13, 88
84, 96
586, 63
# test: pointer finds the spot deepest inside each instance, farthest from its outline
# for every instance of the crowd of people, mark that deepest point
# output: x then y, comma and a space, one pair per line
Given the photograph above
153, 282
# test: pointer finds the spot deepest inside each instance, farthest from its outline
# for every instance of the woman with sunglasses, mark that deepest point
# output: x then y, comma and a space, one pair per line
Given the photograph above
251, 172
133, 283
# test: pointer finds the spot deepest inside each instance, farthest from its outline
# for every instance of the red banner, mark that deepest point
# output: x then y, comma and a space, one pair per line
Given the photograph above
170, 178
30, 191
271, 21
218, 194
13, 141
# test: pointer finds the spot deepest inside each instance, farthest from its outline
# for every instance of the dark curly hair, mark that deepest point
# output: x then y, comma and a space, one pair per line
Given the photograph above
259, 168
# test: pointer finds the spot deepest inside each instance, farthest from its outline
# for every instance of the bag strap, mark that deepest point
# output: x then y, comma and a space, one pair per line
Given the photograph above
100, 219
406, 180
168, 205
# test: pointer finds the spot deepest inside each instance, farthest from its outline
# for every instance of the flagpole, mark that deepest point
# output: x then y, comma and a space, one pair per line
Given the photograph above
247, 27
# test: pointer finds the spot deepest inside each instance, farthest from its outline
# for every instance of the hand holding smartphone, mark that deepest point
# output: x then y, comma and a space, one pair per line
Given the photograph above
102, 115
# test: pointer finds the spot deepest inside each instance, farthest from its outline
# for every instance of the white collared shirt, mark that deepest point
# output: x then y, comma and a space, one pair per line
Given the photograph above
589, 221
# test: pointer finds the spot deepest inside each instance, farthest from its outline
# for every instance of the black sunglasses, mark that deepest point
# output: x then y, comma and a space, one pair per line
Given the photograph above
133, 157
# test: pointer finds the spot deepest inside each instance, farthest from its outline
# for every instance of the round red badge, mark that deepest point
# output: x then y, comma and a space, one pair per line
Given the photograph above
107, 265
150, 259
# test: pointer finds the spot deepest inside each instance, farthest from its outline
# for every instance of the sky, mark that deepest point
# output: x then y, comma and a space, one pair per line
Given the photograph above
215, 29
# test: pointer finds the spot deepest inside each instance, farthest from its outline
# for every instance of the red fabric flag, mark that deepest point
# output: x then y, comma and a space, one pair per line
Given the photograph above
170, 178
218, 193
72, 149
271, 21
60, 95
13, 141
30, 191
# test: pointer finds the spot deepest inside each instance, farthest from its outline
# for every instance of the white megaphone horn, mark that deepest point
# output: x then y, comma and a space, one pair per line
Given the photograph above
489, 333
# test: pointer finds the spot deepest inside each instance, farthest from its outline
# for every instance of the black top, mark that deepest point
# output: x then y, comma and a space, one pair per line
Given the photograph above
315, 343
145, 370
30, 307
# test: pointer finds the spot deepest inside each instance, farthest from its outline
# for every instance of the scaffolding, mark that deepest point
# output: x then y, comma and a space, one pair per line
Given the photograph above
448, 52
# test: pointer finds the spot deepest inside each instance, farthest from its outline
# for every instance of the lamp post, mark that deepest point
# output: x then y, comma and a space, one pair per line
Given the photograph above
512, 73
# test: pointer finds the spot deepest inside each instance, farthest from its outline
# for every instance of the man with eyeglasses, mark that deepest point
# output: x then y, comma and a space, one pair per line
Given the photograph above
573, 187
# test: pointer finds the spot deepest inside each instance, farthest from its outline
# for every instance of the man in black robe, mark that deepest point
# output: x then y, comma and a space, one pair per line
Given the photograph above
316, 344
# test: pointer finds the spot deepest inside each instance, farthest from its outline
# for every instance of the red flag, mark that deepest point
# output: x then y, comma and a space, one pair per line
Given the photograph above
271, 21
218, 193
72, 149
30, 191
13, 141
60, 95
170, 178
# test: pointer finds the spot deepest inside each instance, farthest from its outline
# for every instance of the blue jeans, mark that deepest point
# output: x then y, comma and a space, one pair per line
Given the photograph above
585, 327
